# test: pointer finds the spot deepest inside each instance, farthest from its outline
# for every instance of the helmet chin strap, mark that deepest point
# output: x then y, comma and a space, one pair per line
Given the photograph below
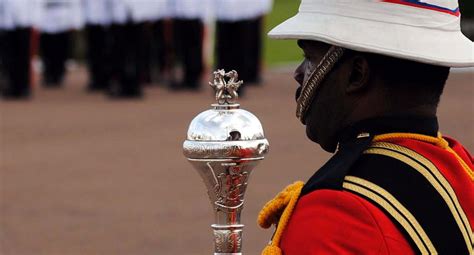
308, 91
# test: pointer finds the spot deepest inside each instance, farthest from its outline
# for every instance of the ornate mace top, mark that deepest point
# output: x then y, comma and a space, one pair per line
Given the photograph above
226, 91
225, 121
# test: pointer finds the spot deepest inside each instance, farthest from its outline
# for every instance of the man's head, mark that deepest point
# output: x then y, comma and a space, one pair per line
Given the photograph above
364, 85
381, 70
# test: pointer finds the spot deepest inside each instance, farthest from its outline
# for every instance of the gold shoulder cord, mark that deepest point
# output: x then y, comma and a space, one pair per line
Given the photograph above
278, 212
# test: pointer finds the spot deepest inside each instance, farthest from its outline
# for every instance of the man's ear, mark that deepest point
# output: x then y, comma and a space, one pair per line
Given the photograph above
360, 75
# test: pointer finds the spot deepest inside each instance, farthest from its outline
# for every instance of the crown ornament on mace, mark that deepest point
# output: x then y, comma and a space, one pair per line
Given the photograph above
226, 91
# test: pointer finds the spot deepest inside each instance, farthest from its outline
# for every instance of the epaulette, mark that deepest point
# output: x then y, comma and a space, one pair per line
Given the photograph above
414, 193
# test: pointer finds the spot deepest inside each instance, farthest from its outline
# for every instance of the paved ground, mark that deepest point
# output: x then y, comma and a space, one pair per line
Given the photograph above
84, 175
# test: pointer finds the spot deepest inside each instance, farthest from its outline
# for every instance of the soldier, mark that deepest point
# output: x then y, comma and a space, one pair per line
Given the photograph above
188, 29
148, 14
162, 40
98, 18
17, 18
2, 45
124, 52
369, 88
58, 20
127, 41
238, 36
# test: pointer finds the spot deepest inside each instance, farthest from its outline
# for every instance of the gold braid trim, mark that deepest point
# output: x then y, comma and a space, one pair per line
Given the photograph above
395, 208
436, 179
438, 141
278, 212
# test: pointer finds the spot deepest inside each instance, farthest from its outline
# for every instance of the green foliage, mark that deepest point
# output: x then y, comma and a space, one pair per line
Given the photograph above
281, 51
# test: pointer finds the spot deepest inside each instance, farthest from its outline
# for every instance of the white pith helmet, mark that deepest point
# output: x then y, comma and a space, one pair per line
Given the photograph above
425, 31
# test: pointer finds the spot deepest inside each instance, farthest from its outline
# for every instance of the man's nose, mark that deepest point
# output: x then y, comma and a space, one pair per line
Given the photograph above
299, 73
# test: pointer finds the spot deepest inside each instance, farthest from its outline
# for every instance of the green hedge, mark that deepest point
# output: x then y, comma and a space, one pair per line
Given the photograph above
281, 51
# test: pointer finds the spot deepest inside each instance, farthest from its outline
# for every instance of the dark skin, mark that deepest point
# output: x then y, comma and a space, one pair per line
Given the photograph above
351, 92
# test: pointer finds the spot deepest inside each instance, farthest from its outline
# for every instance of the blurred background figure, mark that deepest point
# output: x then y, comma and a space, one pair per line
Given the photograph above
97, 15
239, 31
127, 40
162, 42
188, 29
2, 45
16, 21
149, 15
58, 20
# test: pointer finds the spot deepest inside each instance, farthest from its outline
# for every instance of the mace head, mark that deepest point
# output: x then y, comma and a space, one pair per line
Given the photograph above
225, 130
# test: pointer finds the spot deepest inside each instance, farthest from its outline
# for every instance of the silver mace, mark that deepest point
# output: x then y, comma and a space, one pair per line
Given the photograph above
224, 144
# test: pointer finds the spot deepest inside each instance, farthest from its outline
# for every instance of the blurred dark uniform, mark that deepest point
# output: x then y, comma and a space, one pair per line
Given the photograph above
16, 20
97, 15
158, 39
149, 15
161, 38
127, 38
58, 20
2, 44
239, 36
188, 19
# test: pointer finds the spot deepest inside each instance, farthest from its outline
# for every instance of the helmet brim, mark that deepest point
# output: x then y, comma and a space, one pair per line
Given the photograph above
420, 44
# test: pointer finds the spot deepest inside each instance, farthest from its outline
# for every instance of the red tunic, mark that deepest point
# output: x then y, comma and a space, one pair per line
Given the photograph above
339, 222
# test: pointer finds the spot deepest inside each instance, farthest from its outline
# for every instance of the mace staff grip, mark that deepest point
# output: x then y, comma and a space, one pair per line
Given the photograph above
227, 239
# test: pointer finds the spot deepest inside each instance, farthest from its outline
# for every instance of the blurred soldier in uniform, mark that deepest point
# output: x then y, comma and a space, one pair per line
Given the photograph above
16, 20
127, 36
188, 29
2, 45
147, 13
239, 36
97, 16
369, 88
162, 39
58, 20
